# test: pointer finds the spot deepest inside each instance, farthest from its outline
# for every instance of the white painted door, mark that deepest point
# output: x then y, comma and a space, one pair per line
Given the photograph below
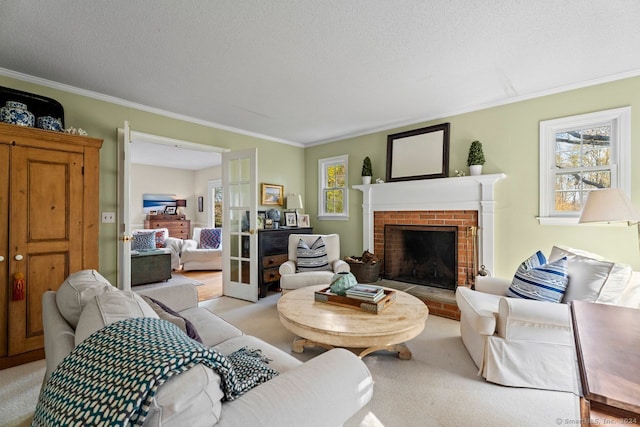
239, 231
123, 220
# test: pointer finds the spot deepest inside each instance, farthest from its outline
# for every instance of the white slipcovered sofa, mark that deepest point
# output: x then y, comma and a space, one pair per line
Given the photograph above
194, 257
291, 279
324, 391
527, 343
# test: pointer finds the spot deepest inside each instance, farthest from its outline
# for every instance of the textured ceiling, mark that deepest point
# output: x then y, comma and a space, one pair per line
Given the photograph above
310, 71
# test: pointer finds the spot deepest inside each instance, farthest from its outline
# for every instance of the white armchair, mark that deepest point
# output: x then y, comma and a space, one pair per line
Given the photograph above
196, 257
291, 279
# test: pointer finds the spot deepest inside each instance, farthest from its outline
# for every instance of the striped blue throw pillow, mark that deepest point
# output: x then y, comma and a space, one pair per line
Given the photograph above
537, 280
312, 258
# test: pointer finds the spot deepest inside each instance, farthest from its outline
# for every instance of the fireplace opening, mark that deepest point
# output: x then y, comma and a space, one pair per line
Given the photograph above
421, 254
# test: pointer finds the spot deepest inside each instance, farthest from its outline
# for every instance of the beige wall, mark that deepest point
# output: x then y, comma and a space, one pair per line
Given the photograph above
509, 134
277, 163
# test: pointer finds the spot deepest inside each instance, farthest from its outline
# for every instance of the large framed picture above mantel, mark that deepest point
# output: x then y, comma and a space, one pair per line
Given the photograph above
418, 154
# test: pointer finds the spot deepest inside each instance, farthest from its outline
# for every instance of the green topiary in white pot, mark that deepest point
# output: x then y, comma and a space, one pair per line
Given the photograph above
367, 171
476, 158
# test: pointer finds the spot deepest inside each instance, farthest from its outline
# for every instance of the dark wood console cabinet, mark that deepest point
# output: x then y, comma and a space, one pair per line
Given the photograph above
272, 251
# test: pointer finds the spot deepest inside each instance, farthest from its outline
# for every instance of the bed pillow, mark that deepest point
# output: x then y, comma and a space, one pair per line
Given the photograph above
541, 282
210, 238
144, 240
312, 258
587, 273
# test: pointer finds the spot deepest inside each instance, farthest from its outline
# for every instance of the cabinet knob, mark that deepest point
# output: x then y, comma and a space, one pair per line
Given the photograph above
19, 257
1, 258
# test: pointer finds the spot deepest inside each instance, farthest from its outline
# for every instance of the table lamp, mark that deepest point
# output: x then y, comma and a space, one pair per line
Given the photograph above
294, 202
610, 205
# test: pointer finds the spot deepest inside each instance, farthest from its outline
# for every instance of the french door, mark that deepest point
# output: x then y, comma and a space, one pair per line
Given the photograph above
239, 231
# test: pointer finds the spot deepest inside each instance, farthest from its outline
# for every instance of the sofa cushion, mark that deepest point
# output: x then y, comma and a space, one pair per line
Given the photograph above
144, 240
166, 313
591, 277
210, 238
546, 282
211, 328
312, 258
76, 290
109, 308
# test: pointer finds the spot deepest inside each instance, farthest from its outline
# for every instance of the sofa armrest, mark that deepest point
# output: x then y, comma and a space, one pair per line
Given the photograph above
59, 336
179, 297
325, 391
287, 267
341, 266
529, 320
492, 285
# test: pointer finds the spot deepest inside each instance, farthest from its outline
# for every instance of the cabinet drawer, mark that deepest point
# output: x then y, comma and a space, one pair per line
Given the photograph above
270, 275
274, 260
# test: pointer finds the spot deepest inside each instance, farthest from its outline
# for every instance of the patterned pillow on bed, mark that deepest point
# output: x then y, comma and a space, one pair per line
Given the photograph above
210, 238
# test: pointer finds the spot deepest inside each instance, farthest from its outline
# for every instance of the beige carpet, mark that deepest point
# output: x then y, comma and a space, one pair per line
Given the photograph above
439, 386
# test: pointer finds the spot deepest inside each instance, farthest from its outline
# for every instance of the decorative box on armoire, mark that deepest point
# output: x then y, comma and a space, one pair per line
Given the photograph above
49, 214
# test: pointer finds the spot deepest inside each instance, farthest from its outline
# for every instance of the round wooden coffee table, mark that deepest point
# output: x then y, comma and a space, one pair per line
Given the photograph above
328, 325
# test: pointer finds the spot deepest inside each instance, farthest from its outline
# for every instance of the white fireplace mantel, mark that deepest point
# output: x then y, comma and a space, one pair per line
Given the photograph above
460, 193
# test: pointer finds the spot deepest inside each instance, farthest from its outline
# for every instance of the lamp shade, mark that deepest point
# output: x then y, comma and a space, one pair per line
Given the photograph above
608, 205
181, 203
294, 201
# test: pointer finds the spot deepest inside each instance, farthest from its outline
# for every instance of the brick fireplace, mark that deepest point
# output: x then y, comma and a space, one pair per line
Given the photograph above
466, 203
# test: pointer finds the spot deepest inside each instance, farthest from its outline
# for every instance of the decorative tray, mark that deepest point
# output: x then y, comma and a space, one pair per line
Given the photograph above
325, 295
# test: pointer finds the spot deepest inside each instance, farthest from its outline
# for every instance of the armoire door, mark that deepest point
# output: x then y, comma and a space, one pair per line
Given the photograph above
46, 234
4, 244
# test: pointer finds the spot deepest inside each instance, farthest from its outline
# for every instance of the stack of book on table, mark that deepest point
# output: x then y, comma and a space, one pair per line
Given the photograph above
366, 292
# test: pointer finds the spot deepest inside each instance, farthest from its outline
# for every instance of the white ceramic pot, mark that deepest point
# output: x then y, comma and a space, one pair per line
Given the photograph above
475, 170
366, 180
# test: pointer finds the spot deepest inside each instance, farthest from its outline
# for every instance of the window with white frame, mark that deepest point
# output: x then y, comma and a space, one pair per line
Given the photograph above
579, 154
333, 191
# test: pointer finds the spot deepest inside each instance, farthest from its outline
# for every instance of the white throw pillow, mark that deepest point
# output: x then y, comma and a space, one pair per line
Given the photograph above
108, 308
76, 290
587, 273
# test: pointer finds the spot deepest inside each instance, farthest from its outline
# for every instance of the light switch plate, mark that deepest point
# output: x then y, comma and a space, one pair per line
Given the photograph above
108, 217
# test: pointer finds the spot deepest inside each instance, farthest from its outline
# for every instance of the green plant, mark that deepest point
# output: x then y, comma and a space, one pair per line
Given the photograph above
476, 156
366, 167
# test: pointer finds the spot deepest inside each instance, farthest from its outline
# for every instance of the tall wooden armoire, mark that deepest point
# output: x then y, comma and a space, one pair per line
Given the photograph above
49, 224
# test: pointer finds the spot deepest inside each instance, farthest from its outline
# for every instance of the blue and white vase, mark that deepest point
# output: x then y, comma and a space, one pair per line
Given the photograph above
49, 123
16, 113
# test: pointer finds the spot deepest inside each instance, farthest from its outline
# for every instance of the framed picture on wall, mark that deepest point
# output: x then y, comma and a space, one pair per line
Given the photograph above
272, 194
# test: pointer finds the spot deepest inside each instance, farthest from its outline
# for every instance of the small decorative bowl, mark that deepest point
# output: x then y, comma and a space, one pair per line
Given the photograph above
49, 123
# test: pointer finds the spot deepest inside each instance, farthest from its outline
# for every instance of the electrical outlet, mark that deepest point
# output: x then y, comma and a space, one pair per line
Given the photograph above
108, 217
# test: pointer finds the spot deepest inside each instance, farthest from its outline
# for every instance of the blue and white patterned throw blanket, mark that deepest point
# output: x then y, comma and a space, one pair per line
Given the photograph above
112, 377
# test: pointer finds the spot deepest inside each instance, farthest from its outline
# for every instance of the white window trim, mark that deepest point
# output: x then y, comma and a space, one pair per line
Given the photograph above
620, 156
322, 168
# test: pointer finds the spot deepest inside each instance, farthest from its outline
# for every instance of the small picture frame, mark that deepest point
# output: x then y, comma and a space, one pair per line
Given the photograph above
290, 219
303, 221
268, 223
260, 222
272, 194
153, 212
170, 210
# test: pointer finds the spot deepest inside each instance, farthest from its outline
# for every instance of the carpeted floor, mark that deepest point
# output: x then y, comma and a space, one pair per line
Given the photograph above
439, 386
